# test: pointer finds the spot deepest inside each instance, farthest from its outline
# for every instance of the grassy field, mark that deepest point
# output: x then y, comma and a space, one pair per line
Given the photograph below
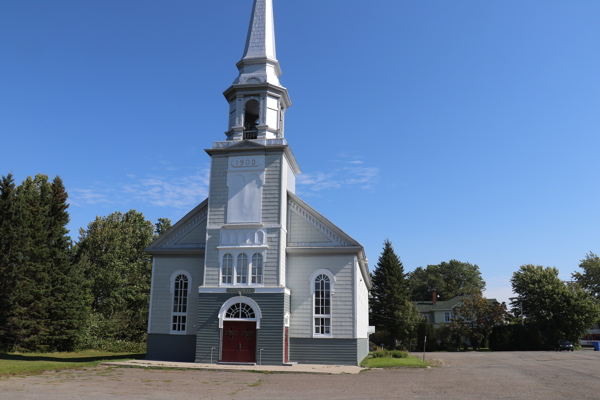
32, 363
389, 362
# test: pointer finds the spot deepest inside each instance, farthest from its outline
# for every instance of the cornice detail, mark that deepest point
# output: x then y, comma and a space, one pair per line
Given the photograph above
315, 222
193, 223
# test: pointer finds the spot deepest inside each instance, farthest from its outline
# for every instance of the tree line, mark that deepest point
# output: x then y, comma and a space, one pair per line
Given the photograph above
56, 295
544, 310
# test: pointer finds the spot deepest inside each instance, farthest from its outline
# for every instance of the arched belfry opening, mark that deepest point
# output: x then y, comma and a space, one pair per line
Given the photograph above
251, 119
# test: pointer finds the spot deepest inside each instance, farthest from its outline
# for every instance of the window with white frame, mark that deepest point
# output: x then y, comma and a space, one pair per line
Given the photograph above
180, 304
322, 305
448, 317
227, 269
257, 269
241, 269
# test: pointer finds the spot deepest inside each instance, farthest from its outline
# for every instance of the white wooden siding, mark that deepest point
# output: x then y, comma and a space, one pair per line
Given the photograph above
162, 298
303, 232
299, 270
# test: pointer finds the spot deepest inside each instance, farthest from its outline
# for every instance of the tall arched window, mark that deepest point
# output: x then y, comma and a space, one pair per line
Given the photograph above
322, 309
227, 269
257, 269
180, 303
241, 271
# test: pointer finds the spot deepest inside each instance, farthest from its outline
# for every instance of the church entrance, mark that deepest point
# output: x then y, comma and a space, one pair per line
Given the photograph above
239, 341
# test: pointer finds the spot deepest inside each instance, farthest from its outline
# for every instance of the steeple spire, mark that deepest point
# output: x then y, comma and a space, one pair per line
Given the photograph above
259, 63
260, 42
257, 100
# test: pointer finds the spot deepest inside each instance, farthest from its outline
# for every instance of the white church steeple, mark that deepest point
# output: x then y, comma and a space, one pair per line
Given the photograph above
257, 100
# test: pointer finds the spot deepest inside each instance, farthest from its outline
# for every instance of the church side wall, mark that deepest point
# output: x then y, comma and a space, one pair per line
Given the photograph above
162, 297
300, 269
283, 219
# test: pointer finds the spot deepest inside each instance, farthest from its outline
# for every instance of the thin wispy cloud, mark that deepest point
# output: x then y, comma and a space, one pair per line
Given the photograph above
354, 175
164, 190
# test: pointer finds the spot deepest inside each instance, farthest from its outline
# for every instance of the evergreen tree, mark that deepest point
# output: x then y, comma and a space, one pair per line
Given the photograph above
391, 308
11, 256
67, 300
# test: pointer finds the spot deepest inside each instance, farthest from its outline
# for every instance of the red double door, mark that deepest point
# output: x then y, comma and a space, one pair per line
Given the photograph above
239, 341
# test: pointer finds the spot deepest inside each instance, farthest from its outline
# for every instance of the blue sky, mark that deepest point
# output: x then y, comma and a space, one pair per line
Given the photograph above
463, 129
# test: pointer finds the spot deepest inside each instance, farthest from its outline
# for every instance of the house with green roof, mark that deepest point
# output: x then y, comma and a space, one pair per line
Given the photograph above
438, 312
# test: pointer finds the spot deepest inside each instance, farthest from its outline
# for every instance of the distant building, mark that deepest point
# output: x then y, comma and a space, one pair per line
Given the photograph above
438, 312
253, 273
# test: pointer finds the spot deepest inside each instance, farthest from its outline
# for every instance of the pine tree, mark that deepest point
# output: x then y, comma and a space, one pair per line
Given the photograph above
391, 308
67, 297
28, 320
11, 255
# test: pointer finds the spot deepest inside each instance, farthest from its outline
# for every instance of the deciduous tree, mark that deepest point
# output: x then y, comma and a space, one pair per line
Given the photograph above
590, 278
557, 309
450, 279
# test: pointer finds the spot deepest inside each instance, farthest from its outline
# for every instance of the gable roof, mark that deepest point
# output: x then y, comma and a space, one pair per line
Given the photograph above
169, 240
335, 239
427, 306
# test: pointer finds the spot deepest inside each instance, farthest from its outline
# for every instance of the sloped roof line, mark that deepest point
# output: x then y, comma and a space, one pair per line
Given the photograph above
335, 230
180, 228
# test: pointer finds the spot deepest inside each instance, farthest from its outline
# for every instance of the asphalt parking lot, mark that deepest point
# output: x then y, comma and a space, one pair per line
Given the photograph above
511, 375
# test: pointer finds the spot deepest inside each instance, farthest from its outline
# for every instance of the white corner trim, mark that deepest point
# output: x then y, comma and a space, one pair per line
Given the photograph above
240, 299
177, 273
319, 272
151, 293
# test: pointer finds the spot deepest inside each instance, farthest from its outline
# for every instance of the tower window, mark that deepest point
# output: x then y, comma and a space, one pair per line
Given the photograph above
251, 119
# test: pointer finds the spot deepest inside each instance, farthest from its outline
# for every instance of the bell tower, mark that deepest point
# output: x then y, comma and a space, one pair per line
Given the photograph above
257, 100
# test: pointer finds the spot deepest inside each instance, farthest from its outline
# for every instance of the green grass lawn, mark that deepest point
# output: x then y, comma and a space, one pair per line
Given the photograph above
389, 362
32, 363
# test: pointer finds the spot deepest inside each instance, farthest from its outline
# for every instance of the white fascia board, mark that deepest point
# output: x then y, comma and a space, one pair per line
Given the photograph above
329, 249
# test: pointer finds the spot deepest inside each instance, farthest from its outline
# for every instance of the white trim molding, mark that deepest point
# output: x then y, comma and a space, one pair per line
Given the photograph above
274, 290
319, 272
240, 299
177, 273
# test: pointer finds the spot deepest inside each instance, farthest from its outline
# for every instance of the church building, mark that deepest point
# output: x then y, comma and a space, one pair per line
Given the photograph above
253, 274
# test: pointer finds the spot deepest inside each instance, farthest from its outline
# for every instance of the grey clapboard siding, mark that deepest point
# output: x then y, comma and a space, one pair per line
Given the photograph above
324, 351
162, 297
271, 272
218, 191
270, 334
271, 197
363, 349
212, 262
299, 270
179, 348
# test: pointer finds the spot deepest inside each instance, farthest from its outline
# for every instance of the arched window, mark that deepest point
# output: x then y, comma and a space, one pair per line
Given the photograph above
180, 304
241, 271
240, 311
251, 119
257, 269
322, 305
227, 269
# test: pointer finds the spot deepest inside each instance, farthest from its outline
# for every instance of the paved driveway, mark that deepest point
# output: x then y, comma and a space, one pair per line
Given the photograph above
527, 375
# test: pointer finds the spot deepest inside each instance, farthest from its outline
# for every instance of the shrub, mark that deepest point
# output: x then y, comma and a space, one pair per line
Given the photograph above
390, 354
